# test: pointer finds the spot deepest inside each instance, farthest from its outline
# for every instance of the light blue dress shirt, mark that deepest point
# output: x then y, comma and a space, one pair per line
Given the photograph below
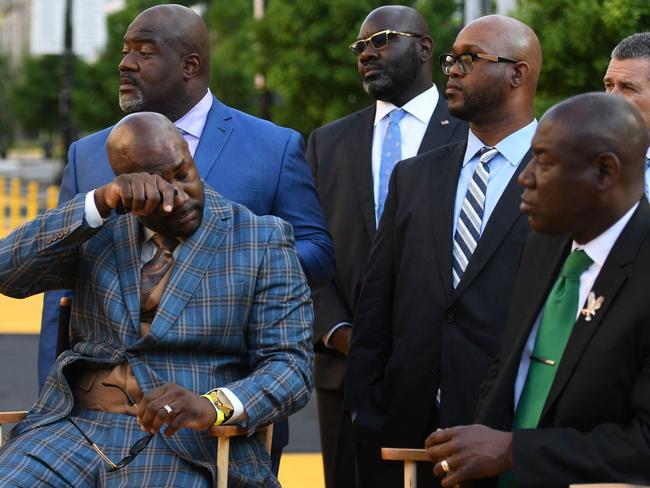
512, 149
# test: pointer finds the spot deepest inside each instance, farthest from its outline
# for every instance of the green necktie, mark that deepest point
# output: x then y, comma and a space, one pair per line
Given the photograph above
558, 318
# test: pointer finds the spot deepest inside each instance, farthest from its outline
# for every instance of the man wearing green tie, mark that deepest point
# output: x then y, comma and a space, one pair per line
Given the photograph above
568, 398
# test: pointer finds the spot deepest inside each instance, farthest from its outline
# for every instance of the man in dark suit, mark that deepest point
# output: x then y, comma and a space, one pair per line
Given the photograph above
345, 158
165, 69
173, 328
431, 311
570, 391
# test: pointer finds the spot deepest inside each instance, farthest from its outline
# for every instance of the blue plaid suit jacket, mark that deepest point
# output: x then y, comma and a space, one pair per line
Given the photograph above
236, 312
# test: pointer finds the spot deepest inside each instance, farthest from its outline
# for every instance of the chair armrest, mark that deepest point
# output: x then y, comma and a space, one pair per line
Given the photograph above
12, 417
396, 454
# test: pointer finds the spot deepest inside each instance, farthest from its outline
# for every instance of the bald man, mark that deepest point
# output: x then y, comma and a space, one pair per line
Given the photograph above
570, 392
173, 328
165, 68
433, 304
351, 161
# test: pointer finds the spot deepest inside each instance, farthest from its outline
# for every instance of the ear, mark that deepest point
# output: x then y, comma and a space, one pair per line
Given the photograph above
425, 44
191, 65
608, 170
520, 73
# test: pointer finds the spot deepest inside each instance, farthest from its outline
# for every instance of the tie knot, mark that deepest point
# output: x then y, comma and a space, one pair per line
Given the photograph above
575, 264
396, 115
487, 153
164, 243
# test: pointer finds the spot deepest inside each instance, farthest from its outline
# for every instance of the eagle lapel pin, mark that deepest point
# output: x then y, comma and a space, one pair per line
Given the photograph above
593, 305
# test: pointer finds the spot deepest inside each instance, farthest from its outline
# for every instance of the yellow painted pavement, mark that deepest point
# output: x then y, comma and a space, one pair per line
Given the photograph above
301, 471
20, 316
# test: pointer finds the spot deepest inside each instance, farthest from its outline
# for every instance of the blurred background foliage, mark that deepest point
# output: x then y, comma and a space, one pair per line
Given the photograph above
300, 47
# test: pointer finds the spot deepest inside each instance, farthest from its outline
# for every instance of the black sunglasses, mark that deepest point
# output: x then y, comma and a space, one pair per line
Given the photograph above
466, 61
379, 40
136, 449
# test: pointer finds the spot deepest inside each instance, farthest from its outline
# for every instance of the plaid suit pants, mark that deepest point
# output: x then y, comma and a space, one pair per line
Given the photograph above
56, 455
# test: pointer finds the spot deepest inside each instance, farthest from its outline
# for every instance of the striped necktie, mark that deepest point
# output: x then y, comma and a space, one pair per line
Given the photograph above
468, 228
391, 153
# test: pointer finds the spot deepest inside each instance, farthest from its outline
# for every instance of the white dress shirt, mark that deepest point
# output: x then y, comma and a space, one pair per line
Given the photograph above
597, 249
412, 128
147, 251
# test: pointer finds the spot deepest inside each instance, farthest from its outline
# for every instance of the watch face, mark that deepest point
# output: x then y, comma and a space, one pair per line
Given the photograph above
224, 404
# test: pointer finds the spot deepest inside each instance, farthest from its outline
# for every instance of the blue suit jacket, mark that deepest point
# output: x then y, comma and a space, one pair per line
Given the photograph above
236, 312
247, 160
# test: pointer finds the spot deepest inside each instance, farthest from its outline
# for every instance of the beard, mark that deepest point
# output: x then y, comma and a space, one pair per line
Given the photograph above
481, 102
396, 76
134, 103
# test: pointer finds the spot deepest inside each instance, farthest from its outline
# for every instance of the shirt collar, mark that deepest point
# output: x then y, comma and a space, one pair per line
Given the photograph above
420, 107
194, 120
647, 153
598, 248
513, 148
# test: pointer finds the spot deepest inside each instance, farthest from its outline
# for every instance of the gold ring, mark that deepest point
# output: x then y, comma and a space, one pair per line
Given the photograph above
445, 466
168, 409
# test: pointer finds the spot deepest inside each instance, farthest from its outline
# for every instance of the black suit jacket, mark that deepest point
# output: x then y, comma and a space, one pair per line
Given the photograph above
413, 332
595, 425
340, 156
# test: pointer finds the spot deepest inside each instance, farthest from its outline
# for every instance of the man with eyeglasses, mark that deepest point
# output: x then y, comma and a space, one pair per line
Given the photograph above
189, 312
441, 272
628, 74
351, 159
567, 401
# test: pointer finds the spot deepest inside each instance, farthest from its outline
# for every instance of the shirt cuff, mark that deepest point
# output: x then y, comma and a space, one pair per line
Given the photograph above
326, 339
91, 213
239, 415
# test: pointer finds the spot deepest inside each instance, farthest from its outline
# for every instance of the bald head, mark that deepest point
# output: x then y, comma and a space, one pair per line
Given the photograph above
597, 123
181, 28
399, 18
144, 142
587, 170
495, 89
510, 38
399, 69
165, 65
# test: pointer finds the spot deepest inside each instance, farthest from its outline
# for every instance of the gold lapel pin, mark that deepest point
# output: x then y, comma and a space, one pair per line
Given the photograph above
593, 305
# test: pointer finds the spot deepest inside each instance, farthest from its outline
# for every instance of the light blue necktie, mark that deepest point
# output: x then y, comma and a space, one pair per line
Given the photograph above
391, 153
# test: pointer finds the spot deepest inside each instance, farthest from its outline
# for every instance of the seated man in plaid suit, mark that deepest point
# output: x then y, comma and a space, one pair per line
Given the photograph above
179, 293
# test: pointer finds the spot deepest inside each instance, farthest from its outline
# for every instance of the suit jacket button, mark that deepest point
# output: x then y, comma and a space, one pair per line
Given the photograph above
48, 241
450, 318
65, 231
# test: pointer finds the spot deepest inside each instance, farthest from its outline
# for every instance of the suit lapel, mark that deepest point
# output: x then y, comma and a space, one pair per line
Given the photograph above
193, 261
501, 220
126, 239
607, 284
216, 133
359, 140
440, 129
443, 174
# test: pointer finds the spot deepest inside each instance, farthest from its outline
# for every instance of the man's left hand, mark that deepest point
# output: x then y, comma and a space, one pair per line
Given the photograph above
470, 452
188, 410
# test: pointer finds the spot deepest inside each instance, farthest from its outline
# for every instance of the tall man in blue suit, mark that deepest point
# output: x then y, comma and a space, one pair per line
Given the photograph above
188, 294
165, 69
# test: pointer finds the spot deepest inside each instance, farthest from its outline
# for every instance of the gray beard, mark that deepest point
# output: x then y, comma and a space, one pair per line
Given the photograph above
132, 104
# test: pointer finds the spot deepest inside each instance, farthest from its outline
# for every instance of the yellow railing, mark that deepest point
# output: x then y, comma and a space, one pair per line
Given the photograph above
21, 201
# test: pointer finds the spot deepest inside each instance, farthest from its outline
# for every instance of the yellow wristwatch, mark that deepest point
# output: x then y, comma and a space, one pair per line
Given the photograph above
221, 405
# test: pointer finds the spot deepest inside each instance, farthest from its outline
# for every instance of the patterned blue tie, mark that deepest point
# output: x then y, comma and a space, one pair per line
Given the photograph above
468, 228
391, 153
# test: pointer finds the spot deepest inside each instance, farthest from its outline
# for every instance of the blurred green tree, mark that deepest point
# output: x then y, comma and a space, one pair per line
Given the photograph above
577, 37
6, 116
